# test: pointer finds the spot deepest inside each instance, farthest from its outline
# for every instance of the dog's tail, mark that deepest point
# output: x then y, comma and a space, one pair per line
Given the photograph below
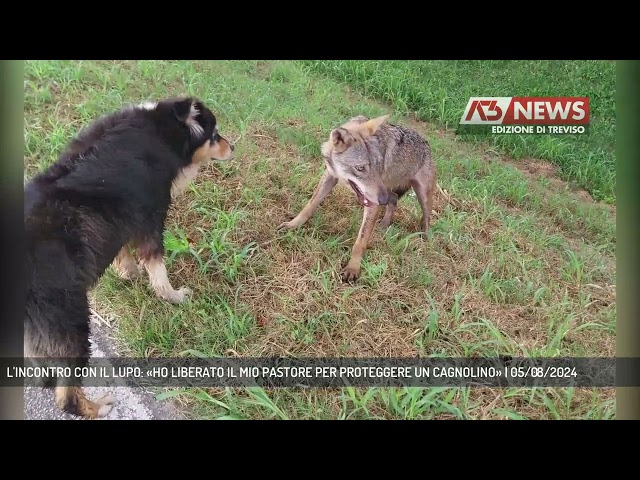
59, 334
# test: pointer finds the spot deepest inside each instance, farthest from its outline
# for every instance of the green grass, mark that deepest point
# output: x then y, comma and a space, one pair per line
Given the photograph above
516, 263
439, 91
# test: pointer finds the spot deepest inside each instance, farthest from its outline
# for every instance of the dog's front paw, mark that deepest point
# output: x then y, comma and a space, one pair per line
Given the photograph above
133, 272
176, 296
350, 274
129, 270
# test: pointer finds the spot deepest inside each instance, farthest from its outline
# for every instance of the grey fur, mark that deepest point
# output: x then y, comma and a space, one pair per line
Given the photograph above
379, 161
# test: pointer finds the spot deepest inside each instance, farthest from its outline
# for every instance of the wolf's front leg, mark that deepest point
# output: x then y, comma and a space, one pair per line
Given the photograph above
326, 184
352, 271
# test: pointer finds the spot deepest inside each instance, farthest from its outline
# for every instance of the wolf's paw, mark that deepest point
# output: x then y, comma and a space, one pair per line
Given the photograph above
290, 225
350, 274
385, 223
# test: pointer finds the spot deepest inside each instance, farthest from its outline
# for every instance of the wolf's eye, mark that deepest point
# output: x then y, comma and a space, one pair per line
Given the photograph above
360, 168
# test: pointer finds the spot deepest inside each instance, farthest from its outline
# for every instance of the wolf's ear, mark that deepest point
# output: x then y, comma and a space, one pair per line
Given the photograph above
372, 126
187, 112
341, 139
359, 119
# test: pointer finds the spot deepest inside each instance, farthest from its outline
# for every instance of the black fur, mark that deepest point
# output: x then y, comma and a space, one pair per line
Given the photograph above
111, 186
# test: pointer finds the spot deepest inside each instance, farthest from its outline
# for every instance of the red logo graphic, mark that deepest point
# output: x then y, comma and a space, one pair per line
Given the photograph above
484, 108
527, 111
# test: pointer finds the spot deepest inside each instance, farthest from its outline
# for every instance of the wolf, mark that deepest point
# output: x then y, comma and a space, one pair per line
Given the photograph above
380, 161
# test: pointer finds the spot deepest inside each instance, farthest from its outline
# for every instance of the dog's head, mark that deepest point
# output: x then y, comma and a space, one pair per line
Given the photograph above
351, 153
192, 128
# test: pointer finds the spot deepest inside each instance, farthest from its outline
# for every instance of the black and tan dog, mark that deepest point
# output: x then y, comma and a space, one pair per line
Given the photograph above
109, 191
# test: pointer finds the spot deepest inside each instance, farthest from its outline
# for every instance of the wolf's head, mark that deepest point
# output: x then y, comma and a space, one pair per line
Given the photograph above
192, 129
352, 154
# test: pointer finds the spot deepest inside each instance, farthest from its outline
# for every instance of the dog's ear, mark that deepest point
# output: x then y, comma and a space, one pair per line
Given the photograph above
182, 109
341, 139
372, 126
187, 112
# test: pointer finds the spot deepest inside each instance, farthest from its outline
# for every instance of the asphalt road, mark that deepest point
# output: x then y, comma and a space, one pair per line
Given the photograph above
132, 403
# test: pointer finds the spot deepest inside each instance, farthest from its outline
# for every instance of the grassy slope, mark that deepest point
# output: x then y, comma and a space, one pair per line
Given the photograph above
516, 263
439, 91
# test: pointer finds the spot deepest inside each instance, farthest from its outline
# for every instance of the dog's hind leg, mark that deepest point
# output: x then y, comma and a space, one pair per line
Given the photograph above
351, 272
151, 253
125, 265
74, 401
60, 334
325, 185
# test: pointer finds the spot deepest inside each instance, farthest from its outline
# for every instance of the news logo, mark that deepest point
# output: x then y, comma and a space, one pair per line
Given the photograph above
527, 115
